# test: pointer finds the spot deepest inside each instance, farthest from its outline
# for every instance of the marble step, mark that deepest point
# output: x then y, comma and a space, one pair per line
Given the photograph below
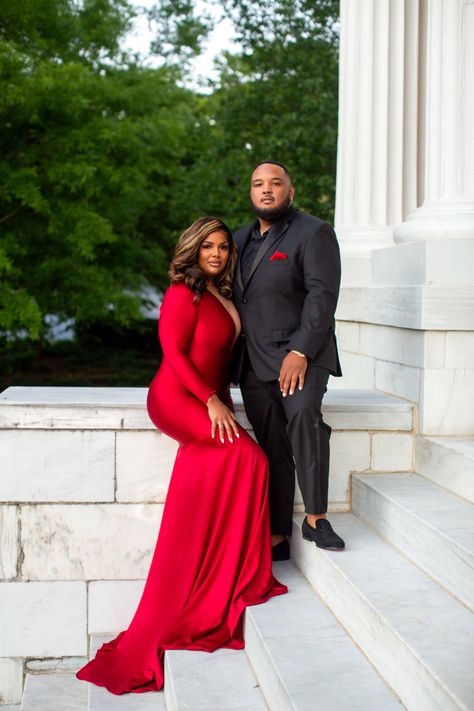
221, 681
54, 692
304, 659
447, 461
428, 524
99, 699
417, 635
124, 409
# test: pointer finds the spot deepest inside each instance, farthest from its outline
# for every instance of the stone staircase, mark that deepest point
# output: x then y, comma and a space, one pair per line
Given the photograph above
387, 623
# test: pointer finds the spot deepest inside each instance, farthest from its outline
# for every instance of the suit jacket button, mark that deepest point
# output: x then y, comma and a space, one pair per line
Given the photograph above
244, 301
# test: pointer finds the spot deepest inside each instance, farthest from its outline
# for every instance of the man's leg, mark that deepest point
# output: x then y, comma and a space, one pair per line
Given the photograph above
309, 438
266, 415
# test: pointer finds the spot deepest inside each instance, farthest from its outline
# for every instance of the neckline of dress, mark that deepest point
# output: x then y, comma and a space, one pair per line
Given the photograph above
216, 298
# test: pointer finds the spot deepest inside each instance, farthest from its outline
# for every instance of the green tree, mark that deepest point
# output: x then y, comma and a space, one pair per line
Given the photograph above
276, 99
90, 151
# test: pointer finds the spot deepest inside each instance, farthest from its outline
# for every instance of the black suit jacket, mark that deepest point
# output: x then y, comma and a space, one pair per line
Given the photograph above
289, 303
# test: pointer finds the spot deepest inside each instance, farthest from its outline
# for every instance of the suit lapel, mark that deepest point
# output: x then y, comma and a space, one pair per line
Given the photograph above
268, 243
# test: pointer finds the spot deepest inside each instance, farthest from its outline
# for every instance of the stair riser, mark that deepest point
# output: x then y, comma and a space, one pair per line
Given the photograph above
392, 657
276, 696
438, 556
445, 466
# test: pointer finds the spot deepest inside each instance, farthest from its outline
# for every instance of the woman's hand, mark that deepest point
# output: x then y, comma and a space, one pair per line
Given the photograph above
222, 418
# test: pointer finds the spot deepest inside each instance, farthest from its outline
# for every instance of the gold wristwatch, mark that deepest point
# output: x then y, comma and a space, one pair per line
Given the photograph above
301, 355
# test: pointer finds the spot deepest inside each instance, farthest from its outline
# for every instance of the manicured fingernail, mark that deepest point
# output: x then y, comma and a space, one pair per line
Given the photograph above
237, 434
222, 440
284, 394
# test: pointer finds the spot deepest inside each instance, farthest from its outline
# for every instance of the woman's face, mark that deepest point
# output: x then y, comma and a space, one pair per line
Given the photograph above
213, 254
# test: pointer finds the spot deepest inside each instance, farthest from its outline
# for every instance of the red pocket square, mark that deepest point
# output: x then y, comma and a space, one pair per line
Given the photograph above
278, 255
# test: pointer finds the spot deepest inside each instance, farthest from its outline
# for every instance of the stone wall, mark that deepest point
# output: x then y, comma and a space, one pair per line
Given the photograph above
82, 487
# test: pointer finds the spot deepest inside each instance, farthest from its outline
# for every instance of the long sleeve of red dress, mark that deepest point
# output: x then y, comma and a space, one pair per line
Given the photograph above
178, 320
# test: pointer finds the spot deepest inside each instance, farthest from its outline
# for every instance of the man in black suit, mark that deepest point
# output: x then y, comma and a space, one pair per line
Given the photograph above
286, 288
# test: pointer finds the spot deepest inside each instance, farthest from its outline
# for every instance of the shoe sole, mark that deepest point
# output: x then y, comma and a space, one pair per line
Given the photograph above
325, 548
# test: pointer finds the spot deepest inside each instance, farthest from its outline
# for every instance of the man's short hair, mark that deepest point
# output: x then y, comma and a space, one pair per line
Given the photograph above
275, 162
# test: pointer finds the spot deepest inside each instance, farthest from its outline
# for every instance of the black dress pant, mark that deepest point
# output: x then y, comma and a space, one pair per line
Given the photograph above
291, 431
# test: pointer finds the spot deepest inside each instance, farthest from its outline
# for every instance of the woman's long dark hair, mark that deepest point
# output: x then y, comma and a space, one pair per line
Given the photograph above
184, 265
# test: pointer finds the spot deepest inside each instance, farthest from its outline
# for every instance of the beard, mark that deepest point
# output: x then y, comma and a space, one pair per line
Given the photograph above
272, 214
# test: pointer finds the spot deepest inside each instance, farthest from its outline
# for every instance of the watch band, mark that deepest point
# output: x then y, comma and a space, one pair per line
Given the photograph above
301, 355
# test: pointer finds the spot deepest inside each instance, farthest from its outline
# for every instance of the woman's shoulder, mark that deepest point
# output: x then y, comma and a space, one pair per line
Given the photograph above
178, 294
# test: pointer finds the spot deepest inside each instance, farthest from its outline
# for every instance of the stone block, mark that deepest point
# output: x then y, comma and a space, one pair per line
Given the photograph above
73, 408
54, 692
399, 345
357, 370
460, 349
84, 542
446, 405
57, 466
8, 541
112, 604
11, 681
366, 410
348, 336
54, 665
430, 308
399, 380
447, 461
198, 681
434, 261
43, 619
350, 451
403, 345
434, 349
392, 452
144, 462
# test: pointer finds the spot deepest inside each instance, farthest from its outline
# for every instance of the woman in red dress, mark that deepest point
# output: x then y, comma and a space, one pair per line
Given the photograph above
213, 554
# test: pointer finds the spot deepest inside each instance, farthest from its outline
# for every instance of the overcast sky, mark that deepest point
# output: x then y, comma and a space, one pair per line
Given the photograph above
221, 38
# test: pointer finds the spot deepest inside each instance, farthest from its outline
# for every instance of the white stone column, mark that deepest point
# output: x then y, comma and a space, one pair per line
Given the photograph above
377, 161
447, 127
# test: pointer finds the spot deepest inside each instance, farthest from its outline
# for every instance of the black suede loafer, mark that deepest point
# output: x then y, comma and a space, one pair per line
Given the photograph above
323, 535
281, 551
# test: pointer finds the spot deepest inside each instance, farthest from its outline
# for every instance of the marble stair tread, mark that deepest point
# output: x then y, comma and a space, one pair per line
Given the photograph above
304, 658
54, 692
221, 681
430, 525
124, 408
448, 462
101, 700
419, 637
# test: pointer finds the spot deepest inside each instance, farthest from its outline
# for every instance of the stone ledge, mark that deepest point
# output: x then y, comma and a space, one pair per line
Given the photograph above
125, 409
429, 308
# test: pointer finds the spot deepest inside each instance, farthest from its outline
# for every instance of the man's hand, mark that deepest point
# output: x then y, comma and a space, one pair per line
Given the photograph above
222, 419
292, 373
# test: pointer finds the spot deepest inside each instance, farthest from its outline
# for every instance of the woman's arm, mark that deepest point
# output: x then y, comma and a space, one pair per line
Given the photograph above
178, 318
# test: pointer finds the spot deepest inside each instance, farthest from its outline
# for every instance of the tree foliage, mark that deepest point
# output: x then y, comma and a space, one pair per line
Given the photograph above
104, 161
276, 99
89, 157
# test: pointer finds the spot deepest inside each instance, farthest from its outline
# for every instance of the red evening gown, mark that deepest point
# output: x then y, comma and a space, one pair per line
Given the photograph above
213, 554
